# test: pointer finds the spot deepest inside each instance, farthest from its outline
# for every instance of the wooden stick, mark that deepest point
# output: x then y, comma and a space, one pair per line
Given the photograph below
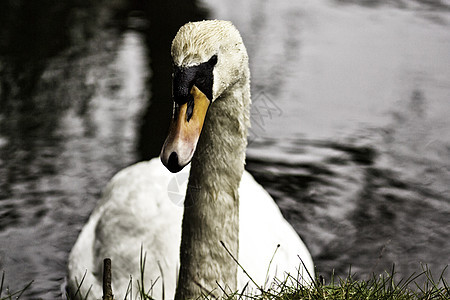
107, 290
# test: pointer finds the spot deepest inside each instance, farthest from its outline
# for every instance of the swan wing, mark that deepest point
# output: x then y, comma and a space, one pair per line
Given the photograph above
262, 228
135, 210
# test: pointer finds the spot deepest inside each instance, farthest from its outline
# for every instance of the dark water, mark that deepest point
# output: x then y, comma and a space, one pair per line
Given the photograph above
62, 133
360, 168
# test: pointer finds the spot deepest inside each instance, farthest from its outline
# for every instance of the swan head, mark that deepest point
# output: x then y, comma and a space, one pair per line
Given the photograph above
208, 58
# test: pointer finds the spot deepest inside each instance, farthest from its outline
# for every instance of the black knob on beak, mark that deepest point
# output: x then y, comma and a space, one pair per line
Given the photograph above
173, 164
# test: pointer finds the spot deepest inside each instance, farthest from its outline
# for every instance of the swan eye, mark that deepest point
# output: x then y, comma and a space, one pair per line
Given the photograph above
201, 80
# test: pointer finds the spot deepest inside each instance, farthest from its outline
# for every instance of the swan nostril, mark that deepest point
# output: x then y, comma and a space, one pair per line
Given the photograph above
173, 164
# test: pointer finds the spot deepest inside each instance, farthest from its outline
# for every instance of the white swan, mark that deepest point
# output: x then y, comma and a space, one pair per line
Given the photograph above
211, 86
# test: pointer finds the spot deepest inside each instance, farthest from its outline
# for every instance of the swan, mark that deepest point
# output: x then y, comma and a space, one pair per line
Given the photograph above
224, 205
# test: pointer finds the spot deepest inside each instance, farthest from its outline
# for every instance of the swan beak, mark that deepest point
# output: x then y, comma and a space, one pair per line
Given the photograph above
184, 132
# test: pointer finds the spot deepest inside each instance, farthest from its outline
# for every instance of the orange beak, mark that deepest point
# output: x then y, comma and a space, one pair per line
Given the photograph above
184, 132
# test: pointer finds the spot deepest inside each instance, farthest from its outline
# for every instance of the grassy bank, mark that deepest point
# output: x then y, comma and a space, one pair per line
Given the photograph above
384, 287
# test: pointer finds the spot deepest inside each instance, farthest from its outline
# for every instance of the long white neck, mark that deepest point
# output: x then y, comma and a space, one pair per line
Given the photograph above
211, 212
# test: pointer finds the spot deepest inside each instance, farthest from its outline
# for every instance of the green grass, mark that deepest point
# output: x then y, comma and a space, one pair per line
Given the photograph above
382, 287
379, 287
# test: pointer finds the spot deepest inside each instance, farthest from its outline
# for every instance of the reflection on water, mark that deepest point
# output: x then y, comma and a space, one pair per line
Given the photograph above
72, 88
371, 205
359, 167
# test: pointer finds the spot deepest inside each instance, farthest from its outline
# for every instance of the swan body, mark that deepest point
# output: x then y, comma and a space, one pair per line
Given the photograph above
136, 210
223, 203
